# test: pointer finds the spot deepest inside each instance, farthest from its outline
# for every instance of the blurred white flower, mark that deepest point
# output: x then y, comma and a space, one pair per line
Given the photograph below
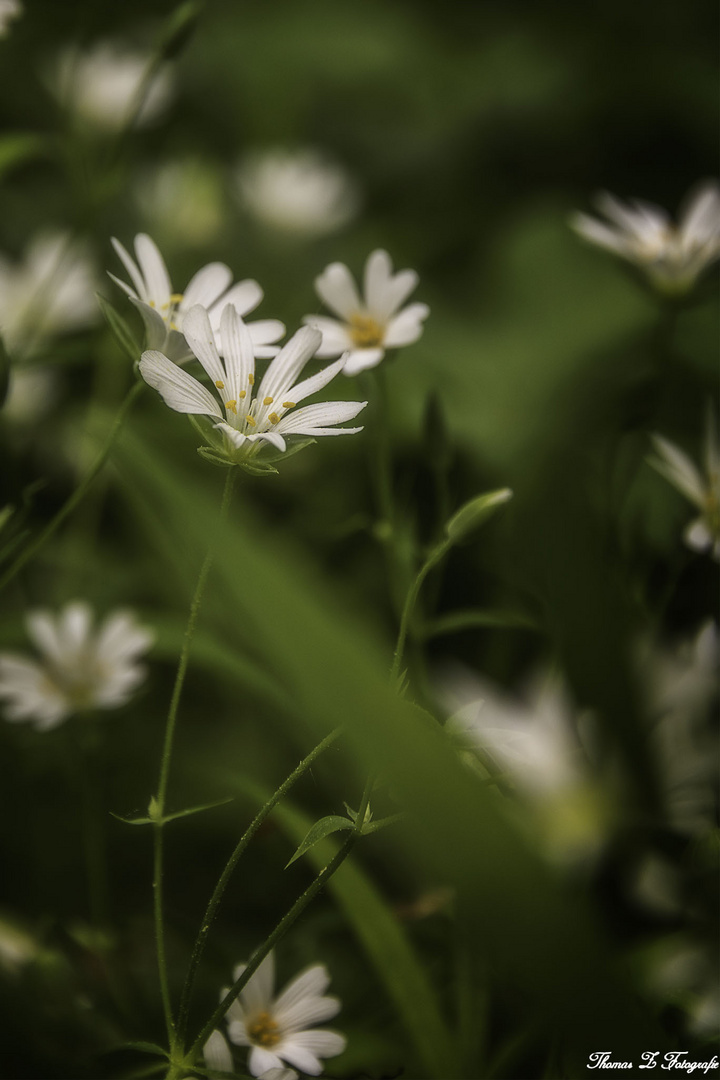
703, 491
216, 1053
17, 946
164, 311
31, 394
81, 668
9, 10
247, 421
100, 85
370, 325
184, 200
673, 256
298, 191
51, 290
276, 1028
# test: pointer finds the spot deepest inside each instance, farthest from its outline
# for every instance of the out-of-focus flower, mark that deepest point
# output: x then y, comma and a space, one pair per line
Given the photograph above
276, 1028
184, 200
9, 10
81, 668
533, 742
100, 85
703, 491
370, 325
164, 311
673, 256
51, 290
682, 972
31, 393
217, 1053
300, 191
17, 946
247, 421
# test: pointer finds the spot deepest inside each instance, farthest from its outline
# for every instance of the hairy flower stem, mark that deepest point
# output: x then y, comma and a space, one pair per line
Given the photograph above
33, 547
276, 935
159, 801
228, 871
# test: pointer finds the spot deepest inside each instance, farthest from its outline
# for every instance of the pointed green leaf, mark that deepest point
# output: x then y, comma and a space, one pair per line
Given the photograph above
208, 454
156, 820
474, 513
381, 823
476, 618
120, 329
322, 828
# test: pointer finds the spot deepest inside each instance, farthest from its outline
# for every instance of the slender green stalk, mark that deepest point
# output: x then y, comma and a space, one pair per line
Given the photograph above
159, 801
33, 547
434, 557
279, 932
230, 867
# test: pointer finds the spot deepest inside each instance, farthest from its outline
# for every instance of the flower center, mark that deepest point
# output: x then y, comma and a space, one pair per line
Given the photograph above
263, 1030
365, 331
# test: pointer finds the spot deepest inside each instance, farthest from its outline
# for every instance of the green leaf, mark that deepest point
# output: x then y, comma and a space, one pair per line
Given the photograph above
473, 618
474, 513
16, 149
147, 1047
381, 823
179, 28
155, 819
322, 828
120, 329
208, 454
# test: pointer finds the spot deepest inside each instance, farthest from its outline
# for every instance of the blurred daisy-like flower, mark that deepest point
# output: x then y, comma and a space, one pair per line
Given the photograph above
163, 311
184, 200
701, 489
277, 1029
218, 1058
367, 326
80, 668
672, 255
248, 419
9, 10
301, 192
100, 85
49, 291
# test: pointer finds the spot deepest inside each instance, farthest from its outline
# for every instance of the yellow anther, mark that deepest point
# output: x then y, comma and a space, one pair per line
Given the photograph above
173, 326
263, 1030
288, 404
151, 303
231, 405
251, 379
242, 394
220, 384
176, 298
274, 418
250, 421
365, 331
268, 401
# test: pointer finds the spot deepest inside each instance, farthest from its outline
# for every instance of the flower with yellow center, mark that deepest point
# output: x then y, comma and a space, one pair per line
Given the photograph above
247, 418
367, 326
702, 491
163, 311
276, 1028
80, 669
672, 256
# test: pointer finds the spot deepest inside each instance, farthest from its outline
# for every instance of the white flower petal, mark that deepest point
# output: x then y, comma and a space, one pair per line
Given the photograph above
304, 389
323, 1043
406, 327
312, 982
199, 336
154, 271
238, 354
177, 388
261, 1060
244, 296
315, 419
701, 218
257, 995
308, 1010
385, 292
697, 535
598, 233
362, 360
120, 638
74, 625
156, 330
266, 332
335, 336
217, 1053
129, 264
335, 286
44, 633
679, 469
206, 286
237, 1032
287, 365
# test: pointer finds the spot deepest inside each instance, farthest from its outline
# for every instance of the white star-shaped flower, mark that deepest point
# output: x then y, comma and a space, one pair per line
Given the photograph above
276, 1028
81, 668
703, 491
372, 324
673, 256
164, 310
247, 419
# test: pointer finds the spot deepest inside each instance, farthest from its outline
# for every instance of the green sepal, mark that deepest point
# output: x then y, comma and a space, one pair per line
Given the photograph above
474, 513
208, 454
270, 454
257, 468
322, 828
146, 1047
155, 819
120, 329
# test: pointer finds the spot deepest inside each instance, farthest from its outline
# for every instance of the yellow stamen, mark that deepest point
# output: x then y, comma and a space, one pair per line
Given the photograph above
220, 384
288, 404
176, 298
232, 406
242, 394
151, 303
251, 379
249, 420
365, 332
263, 1030
173, 326
268, 401
274, 418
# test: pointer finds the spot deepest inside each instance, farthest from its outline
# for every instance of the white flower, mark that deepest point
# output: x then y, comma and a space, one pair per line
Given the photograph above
100, 85
80, 669
370, 325
246, 421
300, 192
164, 311
31, 394
49, 291
183, 198
277, 1027
701, 490
216, 1053
9, 10
671, 255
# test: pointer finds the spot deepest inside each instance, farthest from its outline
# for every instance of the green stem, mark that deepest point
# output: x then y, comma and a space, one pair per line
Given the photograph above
159, 802
410, 600
230, 867
279, 932
34, 546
